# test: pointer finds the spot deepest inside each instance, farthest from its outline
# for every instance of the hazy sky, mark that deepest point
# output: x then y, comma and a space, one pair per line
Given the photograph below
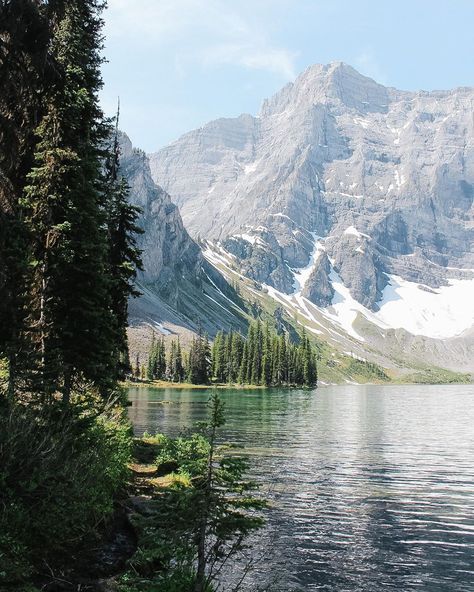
177, 64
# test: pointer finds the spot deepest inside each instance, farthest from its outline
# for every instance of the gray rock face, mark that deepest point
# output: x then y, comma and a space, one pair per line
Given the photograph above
176, 278
318, 288
330, 152
168, 252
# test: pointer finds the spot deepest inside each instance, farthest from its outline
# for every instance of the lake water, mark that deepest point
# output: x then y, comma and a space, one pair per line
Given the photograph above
371, 487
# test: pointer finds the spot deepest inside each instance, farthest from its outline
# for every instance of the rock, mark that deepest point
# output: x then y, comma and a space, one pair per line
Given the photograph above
331, 151
318, 289
178, 285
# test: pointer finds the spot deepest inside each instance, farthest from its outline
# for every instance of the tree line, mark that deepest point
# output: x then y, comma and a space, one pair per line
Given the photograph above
68, 254
263, 357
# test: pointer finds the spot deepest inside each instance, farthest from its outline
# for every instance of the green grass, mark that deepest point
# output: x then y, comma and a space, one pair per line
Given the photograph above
435, 376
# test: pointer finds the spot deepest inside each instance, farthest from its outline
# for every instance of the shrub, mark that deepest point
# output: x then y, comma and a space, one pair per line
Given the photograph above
59, 471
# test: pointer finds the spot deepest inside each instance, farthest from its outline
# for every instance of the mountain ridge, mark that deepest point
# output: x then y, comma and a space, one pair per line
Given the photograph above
378, 181
384, 178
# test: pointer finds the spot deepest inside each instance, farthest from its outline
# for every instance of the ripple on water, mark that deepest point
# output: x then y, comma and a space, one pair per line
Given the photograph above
371, 488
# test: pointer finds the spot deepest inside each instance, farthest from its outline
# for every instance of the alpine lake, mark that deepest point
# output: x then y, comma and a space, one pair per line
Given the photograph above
370, 488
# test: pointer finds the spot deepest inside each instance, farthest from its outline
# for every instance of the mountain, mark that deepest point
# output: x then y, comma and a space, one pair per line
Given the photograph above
348, 202
180, 289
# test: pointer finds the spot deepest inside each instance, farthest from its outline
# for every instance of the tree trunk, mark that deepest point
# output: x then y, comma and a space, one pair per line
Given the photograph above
200, 582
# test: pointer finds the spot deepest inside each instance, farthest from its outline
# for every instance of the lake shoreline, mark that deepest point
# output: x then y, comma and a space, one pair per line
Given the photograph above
163, 384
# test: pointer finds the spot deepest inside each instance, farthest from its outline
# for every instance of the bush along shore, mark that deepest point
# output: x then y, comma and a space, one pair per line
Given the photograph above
89, 507
61, 477
193, 511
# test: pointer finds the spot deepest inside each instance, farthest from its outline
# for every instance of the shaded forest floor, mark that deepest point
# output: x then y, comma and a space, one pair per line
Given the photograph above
108, 564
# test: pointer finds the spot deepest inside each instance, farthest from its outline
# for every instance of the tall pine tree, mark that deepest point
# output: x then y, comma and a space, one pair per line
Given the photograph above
71, 308
26, 72
124, 254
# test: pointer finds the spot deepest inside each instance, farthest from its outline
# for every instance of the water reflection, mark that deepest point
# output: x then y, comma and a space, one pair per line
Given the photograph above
372, 488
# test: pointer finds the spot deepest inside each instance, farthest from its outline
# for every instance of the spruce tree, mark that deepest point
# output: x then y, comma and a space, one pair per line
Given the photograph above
26, 72
218, 357
161, 359
137, 367
124, 254
199, 365
179, 366
151, 364
243, 370
236, 356
64, 201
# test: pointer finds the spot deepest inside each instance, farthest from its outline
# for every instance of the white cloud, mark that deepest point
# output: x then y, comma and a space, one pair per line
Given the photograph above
208, 32
254, 57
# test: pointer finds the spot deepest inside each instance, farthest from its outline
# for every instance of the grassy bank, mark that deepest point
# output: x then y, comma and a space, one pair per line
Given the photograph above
435, 376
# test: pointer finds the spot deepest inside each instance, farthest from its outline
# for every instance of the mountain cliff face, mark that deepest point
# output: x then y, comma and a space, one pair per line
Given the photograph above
367, 188
168, 252
179, 286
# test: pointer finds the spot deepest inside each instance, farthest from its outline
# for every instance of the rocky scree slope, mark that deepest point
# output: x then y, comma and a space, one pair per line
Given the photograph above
179, 287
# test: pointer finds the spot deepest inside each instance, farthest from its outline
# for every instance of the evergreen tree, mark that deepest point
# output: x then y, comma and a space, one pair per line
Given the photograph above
137, 367
244, 364
307, 361
266, 378
229, 338
251, 345
237, 351
263, 358
161, 359
218, 509
218, 357
199, 364
124, 255
151, 365
26, 72
257, 351
170, 367
177, 372
71, 308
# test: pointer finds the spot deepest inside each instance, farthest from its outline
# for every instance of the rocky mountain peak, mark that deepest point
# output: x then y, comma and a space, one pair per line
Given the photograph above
334, 83
384, 178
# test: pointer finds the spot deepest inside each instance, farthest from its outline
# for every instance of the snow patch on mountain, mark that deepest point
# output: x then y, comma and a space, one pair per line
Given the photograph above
353, 231
439, 313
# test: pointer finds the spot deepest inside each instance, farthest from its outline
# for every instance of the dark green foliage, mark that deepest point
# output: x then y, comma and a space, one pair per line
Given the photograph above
368, 369
58, 475
26, 70
124, 255
70, 305
68, 256
199, 360
67, 264
213, 515
156, 367
264, 358
175, 368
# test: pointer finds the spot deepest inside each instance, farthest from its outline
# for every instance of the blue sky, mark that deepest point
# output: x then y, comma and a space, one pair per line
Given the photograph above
177, 64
